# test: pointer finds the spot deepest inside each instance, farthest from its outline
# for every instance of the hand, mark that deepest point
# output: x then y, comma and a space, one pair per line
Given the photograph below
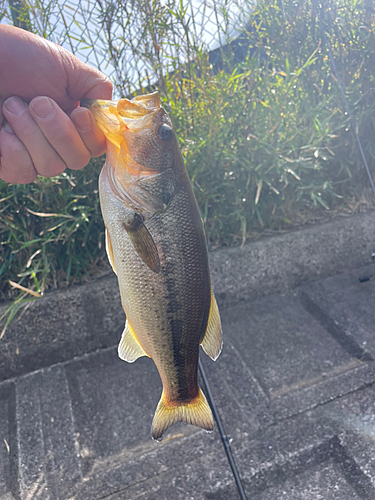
50, 133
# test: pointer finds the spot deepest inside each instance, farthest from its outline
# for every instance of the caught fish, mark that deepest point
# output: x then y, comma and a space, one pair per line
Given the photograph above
156, 245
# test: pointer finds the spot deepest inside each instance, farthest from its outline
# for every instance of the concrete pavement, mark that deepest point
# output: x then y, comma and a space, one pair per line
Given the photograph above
294, 387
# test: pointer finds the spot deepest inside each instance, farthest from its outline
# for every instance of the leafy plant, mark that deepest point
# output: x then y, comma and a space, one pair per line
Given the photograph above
51, 231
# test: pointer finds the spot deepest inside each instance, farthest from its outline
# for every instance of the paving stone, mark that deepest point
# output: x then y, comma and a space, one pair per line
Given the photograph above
205, 478
280, 262
322, 482
61, 325
8, 444
33, 458
237, 393
62, 464
354, 415
113, 404
279, 457
83, 433
294, 386
349, 303
317, 452
282, 344
278, 360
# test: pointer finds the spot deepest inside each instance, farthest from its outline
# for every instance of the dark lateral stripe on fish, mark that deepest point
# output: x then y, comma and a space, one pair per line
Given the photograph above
186, 375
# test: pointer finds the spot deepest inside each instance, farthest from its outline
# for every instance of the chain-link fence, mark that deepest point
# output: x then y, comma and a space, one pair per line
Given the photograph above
133, 42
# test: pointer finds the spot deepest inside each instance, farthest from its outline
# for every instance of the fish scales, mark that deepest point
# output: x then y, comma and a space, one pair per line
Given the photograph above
181, 288
160, 258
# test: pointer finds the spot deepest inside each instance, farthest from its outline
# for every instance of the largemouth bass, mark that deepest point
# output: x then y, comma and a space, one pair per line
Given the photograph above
156, 245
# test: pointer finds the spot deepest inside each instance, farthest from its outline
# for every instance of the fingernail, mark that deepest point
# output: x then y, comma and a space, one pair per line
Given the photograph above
8, 128
42, 107
82, 120
15, 105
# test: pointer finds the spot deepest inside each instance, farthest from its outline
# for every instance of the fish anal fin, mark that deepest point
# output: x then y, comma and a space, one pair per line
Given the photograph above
196, 412
129, 348
212, 342
109, 249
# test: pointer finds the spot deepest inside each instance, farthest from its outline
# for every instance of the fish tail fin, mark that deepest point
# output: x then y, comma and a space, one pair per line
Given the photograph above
196, 412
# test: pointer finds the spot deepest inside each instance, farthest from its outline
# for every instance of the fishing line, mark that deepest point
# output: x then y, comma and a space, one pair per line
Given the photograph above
343, 96
224, 438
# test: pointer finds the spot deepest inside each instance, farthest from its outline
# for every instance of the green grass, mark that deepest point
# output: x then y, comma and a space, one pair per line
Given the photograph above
52, 232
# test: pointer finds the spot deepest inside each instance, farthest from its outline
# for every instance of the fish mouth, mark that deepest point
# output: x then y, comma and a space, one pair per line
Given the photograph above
114, 117
125, 173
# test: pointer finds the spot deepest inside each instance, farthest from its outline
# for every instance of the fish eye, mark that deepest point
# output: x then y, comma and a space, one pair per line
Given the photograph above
165, 133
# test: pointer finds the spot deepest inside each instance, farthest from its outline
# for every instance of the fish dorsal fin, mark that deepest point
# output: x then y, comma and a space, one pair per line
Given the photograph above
108, 247
212, 342
129, 348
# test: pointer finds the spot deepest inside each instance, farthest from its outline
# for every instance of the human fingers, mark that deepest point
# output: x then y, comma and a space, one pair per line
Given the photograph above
1, 112
46, 160
49, 135
16, 166
90, 133
60, 132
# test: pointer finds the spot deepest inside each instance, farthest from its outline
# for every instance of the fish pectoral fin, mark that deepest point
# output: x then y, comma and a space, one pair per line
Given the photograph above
212, 342
109, 249
195, 412
143, 242
145, 247
129, 348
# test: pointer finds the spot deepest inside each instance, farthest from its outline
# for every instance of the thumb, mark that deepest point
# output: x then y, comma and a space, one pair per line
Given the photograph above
1, 112
85, 81
102, 89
